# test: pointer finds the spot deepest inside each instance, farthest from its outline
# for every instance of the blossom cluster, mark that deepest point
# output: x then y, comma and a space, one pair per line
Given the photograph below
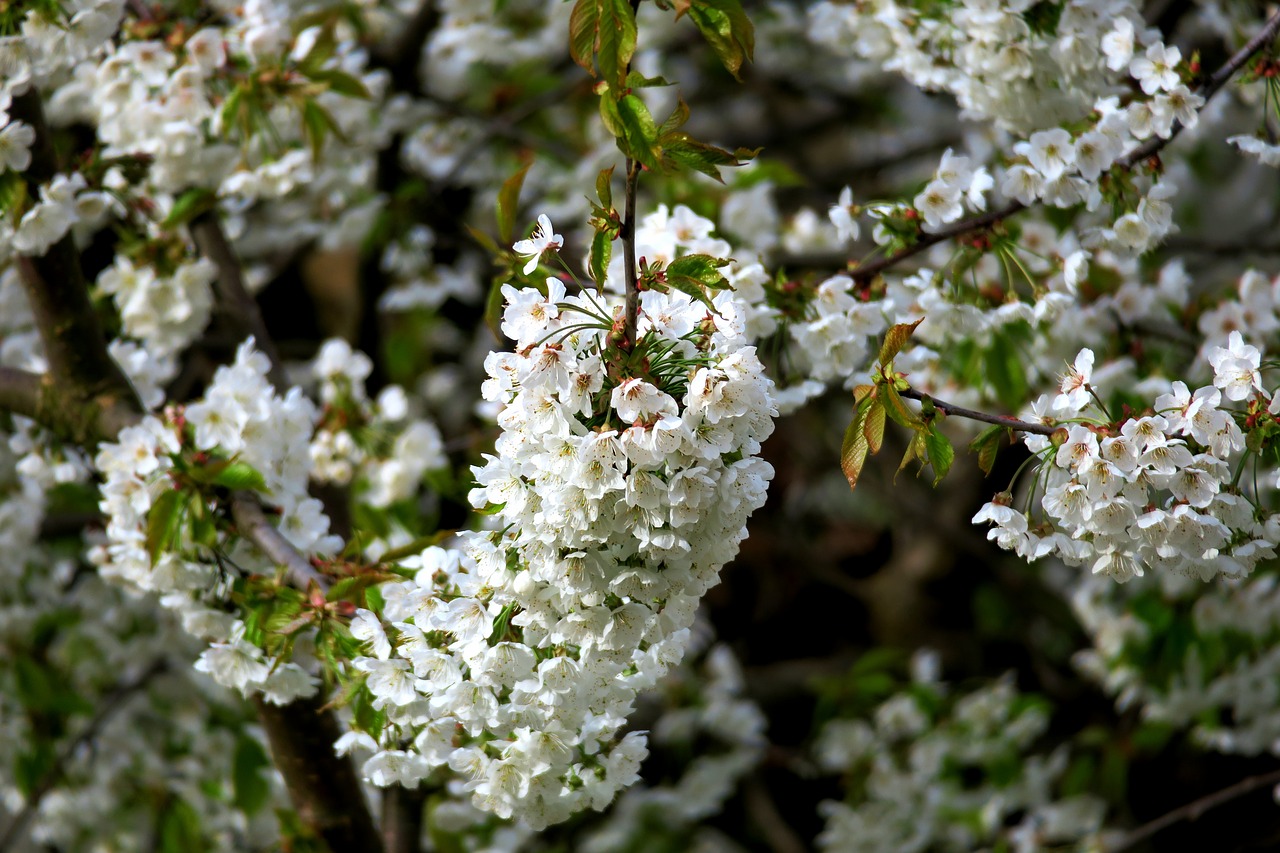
1150, 491
622, 481
376, 442
935, 769
241, 418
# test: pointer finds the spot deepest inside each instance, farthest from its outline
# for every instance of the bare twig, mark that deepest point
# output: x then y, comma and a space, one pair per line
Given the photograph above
1152, 146
628, 235
1196, 809
73, 339
113, 702
253, 525
974, 415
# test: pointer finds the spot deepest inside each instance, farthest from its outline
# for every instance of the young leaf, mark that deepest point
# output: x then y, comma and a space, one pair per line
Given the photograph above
986, 445
894, 340
604, 187
241, 475
1005, 372
342, 83
318, 123
601, 254
639, 137
941, 453
853, 452
189, 205
873, 429
606, 31
703, 269
164, 521
898, 410
509, 203
727, 29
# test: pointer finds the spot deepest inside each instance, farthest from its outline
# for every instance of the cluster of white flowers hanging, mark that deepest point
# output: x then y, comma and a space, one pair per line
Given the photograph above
621, 484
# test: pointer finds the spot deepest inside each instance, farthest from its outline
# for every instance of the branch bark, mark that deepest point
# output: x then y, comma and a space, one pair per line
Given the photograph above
1152, 146
974, 415
74, 343
402, 813
324, 789
628, 235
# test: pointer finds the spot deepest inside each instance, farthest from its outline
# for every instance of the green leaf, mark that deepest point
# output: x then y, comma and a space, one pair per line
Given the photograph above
493, 309
13, 193
986, 445
941, 453
727, 29
584, 23
915, 450
164, 521
601, 254
853, 452
317, 123
639, 136
180, 829
703, 269
189, 205
873, 428
342, 83
325, 46
678, 117
898, 410
509, 203
895, 339
241, 475
1005, 372
233, 113
606, 31
251, 790
604, 187
679, 150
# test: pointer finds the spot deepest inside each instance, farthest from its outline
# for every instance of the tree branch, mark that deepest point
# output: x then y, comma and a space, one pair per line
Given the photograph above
628, 235
324, 788
74, 343
253, 525
402, 813
114, 701
974, 415
236, 309
1196, 809
1216, 81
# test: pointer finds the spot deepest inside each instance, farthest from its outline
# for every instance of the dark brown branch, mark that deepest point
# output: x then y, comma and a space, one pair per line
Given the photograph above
402, 812
974, 415
765, 815
59, 408
236, 309
113, 702
628, 235
1211, 86
73, 339
324, 789
1196, 809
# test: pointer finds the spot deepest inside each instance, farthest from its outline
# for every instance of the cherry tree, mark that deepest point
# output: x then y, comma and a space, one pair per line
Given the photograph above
386, 388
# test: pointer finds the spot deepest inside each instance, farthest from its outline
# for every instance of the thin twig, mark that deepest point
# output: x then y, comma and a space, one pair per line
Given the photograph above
765, 815
974, 415
110, 705
1196, 809
1216, 81
628, 234
253, 525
